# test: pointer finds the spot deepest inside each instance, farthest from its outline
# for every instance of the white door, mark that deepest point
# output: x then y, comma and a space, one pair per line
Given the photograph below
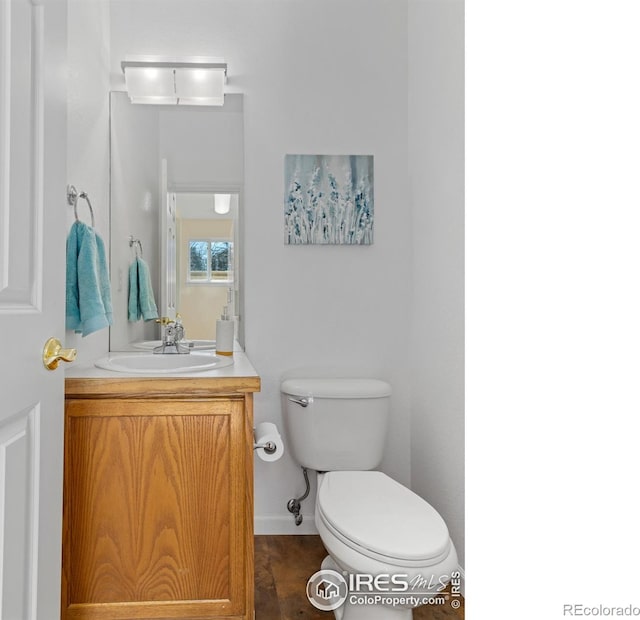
33, 38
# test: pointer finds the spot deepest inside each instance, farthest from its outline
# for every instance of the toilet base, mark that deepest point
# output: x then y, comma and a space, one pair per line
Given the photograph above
349, 611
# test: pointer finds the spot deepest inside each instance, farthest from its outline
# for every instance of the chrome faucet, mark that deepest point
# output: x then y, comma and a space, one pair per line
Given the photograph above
172, 336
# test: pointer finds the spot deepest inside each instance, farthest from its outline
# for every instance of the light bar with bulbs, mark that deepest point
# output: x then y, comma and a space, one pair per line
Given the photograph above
181, 82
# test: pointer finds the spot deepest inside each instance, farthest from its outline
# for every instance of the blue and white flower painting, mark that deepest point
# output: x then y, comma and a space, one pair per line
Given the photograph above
328, 199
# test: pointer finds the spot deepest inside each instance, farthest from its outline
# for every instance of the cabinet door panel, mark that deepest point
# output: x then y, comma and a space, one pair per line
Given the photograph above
154, 508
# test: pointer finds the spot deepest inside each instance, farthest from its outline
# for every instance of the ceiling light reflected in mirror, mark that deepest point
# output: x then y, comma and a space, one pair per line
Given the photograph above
222, 203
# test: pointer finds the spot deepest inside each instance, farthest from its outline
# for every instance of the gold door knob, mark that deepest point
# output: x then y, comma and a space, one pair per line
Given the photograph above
53, 353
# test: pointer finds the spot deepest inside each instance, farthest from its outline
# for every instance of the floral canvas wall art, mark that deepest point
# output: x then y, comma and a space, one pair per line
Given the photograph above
328, 199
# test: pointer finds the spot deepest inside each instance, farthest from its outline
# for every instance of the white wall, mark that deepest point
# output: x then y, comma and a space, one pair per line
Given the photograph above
88, 132
436, 181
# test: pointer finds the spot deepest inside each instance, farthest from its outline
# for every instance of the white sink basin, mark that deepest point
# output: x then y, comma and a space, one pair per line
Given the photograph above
153, 364
198, 345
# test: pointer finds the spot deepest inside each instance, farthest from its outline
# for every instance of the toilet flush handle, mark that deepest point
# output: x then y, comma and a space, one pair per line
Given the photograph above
303, 402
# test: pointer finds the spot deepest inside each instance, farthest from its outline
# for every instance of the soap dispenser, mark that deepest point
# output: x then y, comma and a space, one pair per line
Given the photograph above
225, 328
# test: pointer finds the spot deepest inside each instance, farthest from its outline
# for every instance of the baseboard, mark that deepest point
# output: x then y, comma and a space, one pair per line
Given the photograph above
284, 525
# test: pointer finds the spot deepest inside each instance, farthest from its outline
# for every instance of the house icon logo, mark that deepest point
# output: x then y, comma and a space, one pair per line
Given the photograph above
327, 590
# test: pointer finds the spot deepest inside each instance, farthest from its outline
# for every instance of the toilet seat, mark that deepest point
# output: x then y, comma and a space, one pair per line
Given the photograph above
378, 517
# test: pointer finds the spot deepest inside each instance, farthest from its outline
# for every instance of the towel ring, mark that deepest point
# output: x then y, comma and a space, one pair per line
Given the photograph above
72, 199
137, 242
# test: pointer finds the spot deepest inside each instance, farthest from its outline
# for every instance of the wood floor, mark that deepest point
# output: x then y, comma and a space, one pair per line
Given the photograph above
283, 566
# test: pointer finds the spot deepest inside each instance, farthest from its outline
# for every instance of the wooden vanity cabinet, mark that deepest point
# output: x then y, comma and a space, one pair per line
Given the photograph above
158, 499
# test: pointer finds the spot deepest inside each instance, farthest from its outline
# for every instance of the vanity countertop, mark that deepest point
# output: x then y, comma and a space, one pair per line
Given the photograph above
85, 379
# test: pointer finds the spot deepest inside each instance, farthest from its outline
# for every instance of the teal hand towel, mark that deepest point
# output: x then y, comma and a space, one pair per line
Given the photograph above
142, 304
88, 291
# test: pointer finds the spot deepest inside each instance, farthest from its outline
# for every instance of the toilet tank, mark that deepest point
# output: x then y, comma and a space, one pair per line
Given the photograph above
336, 424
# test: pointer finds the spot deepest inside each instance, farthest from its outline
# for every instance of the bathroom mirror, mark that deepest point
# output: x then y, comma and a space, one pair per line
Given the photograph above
176, 202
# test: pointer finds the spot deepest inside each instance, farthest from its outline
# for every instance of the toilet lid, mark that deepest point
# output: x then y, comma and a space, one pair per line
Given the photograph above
381, 518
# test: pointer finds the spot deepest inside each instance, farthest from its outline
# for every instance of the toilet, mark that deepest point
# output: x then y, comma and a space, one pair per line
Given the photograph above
369, 523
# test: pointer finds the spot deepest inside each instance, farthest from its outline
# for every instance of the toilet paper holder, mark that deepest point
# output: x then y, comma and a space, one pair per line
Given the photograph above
267, 443
269, 447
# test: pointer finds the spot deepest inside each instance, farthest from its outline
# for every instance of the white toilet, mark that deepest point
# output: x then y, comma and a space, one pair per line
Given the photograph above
369, 523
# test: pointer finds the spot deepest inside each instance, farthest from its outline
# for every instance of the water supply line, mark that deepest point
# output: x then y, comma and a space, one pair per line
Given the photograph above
293, 505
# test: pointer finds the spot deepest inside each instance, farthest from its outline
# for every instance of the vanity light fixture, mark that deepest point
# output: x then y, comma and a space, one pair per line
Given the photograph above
171, 81
221, 203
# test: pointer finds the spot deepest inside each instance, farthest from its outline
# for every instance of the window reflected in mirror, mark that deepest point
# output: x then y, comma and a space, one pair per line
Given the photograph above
210, 261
